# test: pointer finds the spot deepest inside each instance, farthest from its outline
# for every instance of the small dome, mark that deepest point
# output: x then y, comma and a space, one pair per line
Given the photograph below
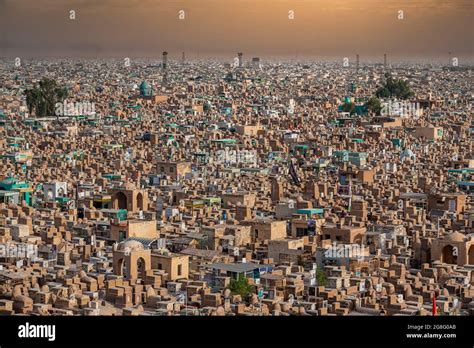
130, 245
23, 298
145, 89
407, 153
455, 237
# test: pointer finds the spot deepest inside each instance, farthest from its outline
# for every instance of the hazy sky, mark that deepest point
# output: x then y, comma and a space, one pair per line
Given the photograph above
321, 28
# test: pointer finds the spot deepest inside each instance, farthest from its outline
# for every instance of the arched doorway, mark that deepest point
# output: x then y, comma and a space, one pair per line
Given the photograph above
141, 267
428, 256
449, 255
122, 269
121, 200
470, 255
358, 239
140, 201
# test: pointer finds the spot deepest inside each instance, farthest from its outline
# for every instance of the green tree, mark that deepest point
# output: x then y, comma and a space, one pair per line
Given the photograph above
394, 89
349, 107
240, 287
373, 105
321, 277
43, 97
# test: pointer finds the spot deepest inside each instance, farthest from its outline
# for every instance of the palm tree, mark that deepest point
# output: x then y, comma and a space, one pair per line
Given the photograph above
373, 105
32, 99
43, 98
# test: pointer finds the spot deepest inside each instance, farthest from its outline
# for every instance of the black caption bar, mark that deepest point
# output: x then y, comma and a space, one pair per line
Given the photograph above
139, 331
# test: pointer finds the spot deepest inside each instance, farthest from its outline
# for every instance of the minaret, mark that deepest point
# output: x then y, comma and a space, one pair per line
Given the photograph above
276, 190
165, 60
240, 59
357, 63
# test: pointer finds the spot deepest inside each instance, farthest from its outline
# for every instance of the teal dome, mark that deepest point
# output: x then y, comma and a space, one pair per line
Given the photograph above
145, 89
8, 181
